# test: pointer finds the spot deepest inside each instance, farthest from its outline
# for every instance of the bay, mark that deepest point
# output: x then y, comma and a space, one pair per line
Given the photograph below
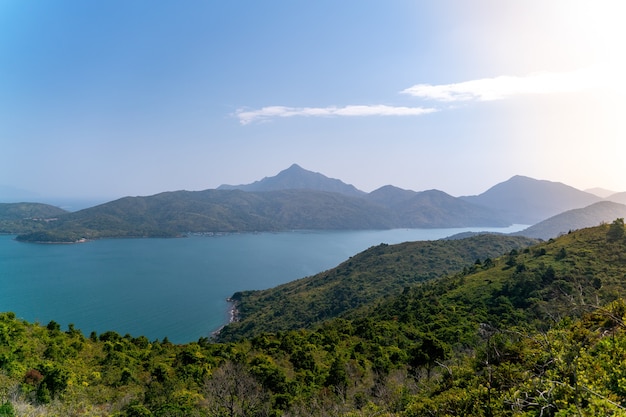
174, 288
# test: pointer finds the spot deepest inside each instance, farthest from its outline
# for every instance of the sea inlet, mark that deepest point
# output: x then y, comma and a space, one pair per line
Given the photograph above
174, 288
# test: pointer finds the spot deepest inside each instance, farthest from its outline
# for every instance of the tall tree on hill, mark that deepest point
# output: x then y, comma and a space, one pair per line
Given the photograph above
233, 392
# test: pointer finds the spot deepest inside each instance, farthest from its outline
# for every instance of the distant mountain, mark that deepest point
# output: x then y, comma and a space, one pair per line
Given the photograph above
18, 218
434, 208
525, 200
293, 199
617, 198
600, 192
390, 196
179, 212
298, 178
23, 211
593, 215
10, 194
301, 199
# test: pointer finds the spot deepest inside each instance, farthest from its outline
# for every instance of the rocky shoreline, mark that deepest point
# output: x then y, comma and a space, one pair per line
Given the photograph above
232, 310
233, 315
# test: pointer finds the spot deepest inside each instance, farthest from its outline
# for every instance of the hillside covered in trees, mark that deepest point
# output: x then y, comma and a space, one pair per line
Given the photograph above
27, 217
372, 275
172, 214
538, 331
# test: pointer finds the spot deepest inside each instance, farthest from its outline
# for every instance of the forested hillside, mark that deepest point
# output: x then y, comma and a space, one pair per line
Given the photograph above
173, 214
27, 217
537, 332
379, 272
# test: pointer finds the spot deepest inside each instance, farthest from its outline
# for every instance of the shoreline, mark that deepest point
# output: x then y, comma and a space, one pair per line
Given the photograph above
232, 310
233, 316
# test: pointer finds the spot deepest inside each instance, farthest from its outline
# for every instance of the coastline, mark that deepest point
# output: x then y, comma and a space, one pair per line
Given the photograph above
233, 316
232, 310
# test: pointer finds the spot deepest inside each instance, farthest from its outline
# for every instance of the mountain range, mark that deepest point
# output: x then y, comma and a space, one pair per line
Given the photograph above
296, 198
520, 200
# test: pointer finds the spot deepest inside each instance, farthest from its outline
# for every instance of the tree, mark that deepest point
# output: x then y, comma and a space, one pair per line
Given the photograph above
338, 377
233, 392
7, 410
616, 230
427, 354
54, 382
53, 326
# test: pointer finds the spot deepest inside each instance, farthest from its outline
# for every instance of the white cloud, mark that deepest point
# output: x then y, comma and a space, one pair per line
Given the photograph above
484, 89
501, 87
265, 113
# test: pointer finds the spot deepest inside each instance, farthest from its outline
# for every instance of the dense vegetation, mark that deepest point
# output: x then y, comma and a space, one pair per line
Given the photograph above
172, 214
379, 272
539, 331
27, 217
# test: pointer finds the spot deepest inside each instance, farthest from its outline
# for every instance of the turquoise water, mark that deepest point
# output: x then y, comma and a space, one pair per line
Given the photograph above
170, 287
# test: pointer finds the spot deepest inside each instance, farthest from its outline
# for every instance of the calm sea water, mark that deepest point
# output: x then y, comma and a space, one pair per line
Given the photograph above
170, 287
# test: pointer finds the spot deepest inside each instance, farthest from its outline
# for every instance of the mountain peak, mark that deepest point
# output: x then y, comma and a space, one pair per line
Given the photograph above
600, 192
527, 200
297, 178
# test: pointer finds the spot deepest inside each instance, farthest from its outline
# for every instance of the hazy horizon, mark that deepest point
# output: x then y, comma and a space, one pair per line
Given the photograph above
105, 100
9, 194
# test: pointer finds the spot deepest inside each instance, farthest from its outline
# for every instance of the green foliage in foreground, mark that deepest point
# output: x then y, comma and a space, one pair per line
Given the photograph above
482, 342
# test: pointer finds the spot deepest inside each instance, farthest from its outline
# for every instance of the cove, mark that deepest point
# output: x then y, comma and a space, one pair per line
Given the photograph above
174, 288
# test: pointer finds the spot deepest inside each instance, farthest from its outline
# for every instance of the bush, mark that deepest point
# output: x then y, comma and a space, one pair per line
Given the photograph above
7, 410
616, 230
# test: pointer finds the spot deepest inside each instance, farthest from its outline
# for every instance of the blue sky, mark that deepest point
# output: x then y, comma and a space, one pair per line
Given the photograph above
104, 99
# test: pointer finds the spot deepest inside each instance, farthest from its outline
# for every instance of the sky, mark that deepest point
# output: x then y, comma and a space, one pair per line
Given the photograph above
105, 99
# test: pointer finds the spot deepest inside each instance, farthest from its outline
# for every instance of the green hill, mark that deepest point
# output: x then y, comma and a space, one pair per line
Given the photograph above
532, 288
379, 272
27, 217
